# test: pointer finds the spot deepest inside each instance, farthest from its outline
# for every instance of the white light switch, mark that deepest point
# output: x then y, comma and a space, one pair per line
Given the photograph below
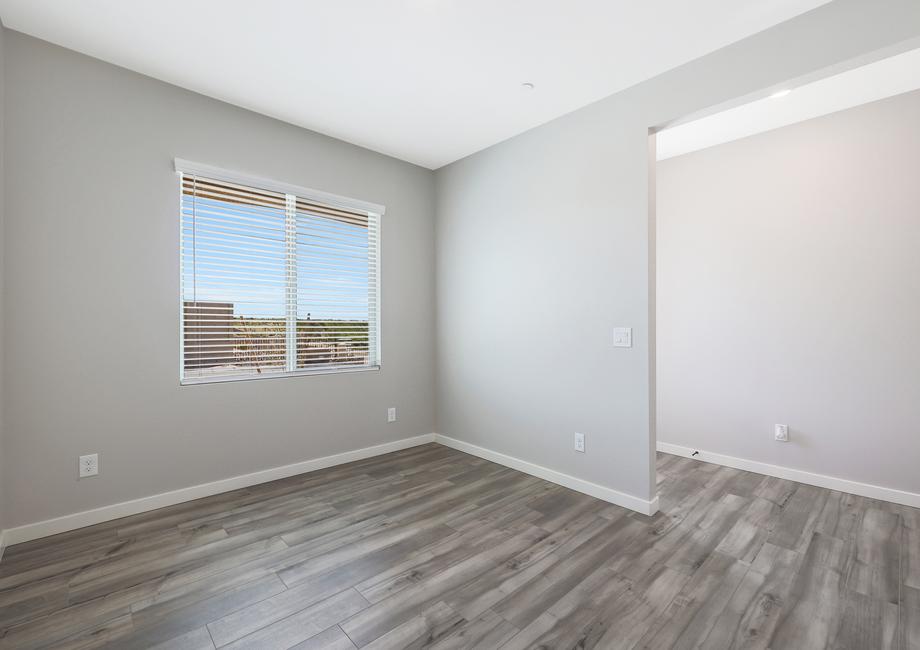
622, 337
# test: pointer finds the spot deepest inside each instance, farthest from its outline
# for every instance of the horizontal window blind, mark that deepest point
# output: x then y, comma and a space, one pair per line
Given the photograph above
274, 283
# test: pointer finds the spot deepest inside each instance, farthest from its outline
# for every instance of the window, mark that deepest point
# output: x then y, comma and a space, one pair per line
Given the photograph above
276, 280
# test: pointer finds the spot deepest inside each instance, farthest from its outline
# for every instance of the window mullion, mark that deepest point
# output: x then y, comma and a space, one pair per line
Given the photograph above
373, 291
290, 239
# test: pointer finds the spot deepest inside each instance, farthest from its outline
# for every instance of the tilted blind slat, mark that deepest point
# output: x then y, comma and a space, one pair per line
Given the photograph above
274, 283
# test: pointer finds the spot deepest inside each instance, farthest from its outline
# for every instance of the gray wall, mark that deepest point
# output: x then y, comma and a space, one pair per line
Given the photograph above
2, 264
543, 247
789, 291
92, 340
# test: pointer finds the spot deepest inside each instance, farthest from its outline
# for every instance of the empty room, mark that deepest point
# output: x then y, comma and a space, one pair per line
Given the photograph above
446, 324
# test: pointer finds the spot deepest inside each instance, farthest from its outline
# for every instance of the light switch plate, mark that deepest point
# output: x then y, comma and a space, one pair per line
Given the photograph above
622, 337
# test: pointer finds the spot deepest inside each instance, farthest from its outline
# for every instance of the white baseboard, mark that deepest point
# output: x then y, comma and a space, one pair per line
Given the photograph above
66, 523
551, 475
63, 524
77, 520
798, 475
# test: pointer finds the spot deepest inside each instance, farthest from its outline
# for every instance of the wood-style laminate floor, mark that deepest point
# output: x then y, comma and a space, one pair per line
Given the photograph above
432, 547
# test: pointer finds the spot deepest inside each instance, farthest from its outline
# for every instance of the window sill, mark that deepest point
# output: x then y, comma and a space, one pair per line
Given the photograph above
278, 375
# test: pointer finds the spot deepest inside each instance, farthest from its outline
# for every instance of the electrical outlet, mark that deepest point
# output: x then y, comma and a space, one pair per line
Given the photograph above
391, 414
781, 433
89, 465
580, 442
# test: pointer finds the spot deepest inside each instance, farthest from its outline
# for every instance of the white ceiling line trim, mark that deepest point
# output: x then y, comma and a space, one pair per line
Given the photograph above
335, 200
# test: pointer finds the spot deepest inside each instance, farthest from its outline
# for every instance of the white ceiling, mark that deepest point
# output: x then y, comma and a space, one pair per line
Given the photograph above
428, 81
885, 78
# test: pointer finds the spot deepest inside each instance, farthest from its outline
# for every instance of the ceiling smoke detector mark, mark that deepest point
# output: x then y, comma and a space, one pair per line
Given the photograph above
527, 86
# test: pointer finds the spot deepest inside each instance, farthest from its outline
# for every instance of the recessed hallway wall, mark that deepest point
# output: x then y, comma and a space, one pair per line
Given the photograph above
788, 288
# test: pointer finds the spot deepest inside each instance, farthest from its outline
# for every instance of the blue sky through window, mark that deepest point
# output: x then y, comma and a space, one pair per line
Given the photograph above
236, 253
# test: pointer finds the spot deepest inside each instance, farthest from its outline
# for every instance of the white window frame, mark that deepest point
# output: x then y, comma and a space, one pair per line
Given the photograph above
188, 167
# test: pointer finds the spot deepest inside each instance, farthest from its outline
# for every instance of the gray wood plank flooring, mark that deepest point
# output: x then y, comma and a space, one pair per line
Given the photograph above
430, 547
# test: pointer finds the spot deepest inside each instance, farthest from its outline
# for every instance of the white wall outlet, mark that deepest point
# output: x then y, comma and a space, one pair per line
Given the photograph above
89, 465
781, 432
622, 337
391, 414
580, 442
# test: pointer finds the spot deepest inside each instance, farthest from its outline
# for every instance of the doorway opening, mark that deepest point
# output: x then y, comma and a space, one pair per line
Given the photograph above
784, 277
